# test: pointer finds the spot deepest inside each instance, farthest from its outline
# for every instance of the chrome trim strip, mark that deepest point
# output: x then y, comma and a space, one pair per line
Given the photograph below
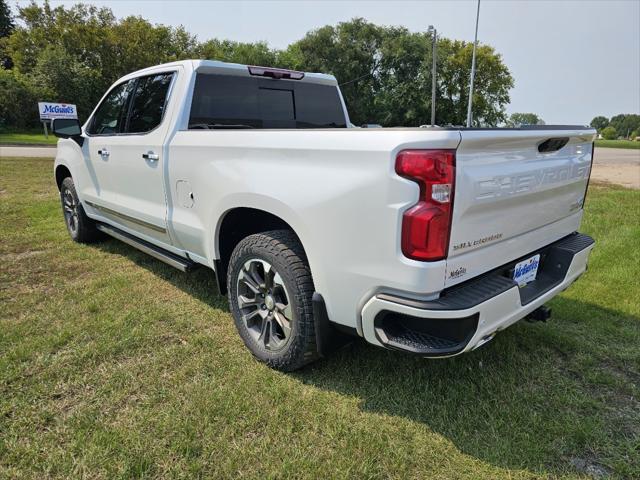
109, 211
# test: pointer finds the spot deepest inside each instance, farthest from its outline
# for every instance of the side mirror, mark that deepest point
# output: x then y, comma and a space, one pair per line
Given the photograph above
67, 128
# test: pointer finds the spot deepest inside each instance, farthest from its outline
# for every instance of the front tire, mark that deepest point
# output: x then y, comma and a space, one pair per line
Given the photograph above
270, 288
80, 227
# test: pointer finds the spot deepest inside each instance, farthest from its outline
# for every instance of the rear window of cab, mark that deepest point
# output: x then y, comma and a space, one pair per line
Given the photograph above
228, 101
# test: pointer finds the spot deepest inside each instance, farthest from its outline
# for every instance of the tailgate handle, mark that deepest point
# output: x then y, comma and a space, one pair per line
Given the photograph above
552, 144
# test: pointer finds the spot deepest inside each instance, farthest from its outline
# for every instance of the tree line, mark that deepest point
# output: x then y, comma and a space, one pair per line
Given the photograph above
625, 125
72, 55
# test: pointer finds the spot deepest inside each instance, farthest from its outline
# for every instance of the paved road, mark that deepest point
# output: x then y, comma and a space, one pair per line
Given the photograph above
10, 151
614, 156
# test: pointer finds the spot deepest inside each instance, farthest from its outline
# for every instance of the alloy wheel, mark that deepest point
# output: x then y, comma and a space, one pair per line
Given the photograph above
264, 305
70, 208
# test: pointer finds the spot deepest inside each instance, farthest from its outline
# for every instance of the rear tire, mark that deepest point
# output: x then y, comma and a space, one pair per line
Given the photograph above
270, 288
80, 227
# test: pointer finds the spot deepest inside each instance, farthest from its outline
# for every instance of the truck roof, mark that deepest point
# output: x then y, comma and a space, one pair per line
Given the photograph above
215, 66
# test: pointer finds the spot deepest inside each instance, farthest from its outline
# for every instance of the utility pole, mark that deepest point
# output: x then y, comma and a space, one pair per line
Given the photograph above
473, 69
434, 39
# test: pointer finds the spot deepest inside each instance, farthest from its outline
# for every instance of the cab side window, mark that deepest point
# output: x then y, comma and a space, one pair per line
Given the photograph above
110, 116
149, 102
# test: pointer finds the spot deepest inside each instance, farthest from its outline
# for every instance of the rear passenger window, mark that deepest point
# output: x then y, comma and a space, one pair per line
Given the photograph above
148, 103
229, 101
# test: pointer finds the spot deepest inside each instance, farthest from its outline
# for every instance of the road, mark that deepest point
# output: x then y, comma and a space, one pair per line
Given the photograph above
617, 156
14, 151
610, 165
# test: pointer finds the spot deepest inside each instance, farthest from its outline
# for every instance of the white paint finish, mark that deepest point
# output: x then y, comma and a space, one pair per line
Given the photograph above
476, 262
337, 189
505, 190
131, 184
496, 314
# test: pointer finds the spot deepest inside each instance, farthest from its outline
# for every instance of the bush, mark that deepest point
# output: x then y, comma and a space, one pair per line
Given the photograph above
609, 133
18, 102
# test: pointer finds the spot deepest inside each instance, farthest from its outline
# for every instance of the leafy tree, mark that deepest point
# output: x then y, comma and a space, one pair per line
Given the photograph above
59, 77
18, 109
352, 52
73, 54
405, 77
625, 123
599, 123
237, 52
7, 26
91, 50
609, 133
491, 85
385, 74
516, 119
6, 19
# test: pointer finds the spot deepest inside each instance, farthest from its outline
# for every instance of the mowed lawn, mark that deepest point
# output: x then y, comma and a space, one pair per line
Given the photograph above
113, 365
27, 138
618, 144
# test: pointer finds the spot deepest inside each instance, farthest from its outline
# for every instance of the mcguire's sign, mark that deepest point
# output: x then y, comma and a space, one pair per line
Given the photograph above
49, 111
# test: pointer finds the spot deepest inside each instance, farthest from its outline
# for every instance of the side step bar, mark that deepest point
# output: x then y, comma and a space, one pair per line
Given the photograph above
182, 264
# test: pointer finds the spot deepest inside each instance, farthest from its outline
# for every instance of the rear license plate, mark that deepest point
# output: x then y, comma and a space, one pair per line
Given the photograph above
526, 271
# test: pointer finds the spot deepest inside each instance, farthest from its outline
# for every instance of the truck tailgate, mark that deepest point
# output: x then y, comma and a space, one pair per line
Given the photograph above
516, 191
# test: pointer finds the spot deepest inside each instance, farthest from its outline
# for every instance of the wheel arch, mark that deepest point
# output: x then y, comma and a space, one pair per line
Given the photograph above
236, 224
61, 172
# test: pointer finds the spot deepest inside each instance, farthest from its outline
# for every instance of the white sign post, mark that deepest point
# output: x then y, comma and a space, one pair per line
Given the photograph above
49, 111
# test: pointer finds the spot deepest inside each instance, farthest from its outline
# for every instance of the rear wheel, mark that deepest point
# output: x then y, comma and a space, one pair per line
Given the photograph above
80, 227
270, 289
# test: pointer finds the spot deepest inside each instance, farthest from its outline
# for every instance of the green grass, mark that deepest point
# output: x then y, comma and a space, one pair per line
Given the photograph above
618, 144
113, 365
27, 138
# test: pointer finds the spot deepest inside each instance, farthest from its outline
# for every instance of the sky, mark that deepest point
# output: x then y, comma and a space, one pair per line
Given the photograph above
571, 60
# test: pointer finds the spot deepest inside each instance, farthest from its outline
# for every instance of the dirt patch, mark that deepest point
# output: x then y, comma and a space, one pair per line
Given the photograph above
618, 166
627, 175
21, 256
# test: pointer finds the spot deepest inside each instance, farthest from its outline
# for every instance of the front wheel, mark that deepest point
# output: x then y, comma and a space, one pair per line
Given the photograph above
270, 289
80, 227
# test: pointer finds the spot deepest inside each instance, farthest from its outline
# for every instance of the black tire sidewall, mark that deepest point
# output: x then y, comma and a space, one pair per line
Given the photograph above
292, 355
86, 231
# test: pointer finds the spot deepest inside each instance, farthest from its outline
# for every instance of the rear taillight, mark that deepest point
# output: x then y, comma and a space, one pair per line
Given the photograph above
427, 225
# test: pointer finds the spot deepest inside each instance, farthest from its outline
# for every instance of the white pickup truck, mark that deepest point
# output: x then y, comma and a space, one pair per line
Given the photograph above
424, 240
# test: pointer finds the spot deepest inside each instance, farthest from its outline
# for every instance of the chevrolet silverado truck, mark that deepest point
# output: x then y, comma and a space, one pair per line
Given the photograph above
423, 240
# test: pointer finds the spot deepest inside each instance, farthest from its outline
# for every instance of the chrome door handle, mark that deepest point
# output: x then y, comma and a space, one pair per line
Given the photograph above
103, 152
154, 157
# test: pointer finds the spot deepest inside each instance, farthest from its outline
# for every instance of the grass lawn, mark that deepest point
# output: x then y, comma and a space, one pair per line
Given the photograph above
27, 138
113, 365
618, 144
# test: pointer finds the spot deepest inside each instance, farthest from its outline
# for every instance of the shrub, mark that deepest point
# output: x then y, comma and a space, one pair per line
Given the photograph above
609, 133
18, 102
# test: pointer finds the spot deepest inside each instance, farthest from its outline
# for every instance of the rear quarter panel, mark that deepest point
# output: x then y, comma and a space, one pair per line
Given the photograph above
336, 188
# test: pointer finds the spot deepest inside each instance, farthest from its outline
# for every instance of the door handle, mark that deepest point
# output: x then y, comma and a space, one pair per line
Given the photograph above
154, 157
103, 152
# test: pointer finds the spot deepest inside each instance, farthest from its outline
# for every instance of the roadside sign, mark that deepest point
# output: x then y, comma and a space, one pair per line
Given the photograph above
49, 111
